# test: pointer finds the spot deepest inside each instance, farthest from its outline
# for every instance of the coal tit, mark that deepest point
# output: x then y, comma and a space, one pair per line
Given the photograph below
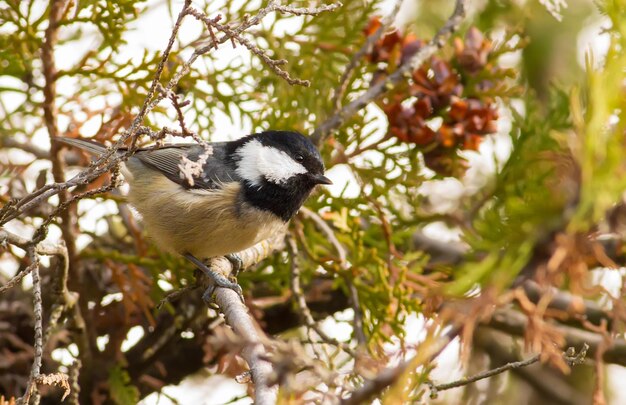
203, 202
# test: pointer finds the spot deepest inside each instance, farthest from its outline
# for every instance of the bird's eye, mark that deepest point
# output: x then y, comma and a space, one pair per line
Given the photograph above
299, 158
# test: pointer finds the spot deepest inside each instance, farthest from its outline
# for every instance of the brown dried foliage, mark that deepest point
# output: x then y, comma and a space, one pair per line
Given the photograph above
457, 89
56, 379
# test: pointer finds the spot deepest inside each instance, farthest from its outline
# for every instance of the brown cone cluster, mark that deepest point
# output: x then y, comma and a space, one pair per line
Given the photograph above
448, 104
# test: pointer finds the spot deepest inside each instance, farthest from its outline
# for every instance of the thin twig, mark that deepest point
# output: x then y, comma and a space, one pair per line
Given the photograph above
356, 59
389, 376
63, 298
25, 244
359, 327
68, 251
147, 104
41, 232
179, 113
485, 374
303, 309
273, 64
307, 11
328, 233
50, 112
16, 279
188, 166
176, 294
359, 331
570, 356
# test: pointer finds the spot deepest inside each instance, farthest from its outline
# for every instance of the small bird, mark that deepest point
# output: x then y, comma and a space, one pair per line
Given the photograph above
220, 198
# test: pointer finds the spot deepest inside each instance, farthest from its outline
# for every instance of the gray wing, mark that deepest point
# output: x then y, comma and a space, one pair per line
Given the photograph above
177, 163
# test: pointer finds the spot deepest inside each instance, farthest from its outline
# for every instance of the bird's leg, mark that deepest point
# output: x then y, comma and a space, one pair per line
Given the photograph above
219, 280
236, 261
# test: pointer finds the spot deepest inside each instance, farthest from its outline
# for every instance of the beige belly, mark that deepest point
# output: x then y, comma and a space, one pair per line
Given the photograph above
205, 223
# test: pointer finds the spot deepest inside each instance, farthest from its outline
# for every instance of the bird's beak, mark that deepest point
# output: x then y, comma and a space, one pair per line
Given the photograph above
321, 179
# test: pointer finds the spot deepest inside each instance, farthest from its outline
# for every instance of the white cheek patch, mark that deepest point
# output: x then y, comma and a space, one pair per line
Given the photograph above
258, 162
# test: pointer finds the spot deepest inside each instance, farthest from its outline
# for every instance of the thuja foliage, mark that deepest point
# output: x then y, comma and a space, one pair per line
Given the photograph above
573, 143
565, 172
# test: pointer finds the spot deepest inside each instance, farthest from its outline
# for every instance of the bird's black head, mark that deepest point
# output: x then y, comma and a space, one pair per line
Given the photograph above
279, 169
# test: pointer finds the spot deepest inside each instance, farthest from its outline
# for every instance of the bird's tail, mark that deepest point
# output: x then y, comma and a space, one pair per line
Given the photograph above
94, 148
84, 144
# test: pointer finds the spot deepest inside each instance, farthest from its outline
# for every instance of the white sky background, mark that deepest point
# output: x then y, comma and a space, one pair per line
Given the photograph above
151, 32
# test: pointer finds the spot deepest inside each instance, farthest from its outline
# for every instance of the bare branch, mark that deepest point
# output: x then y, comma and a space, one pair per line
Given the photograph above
260, 251
359, 328
176, 294
42, 248
308, 11
74, 387
16, 279
435, 389
568, 303
328, 233
50, 110
148, 105
179, 113
56, 379
575, 307
273, 64
389, 376
570, 356
35, 371
242, 323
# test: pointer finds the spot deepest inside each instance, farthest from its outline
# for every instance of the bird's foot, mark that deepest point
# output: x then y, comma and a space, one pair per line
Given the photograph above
218, 279
237, 262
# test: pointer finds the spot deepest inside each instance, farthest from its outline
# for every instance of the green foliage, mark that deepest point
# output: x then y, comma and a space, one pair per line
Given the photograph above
97, 73
317, 49
566, 170
602, 127
525, 206
110, 18
122, 391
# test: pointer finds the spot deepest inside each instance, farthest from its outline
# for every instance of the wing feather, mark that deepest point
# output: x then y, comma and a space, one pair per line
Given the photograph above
169, 159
